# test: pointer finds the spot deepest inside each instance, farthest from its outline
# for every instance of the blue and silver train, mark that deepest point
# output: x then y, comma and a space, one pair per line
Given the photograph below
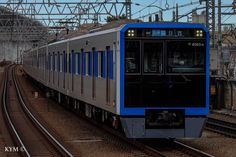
149, 79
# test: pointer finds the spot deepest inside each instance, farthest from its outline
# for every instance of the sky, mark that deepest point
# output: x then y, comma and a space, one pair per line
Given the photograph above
145, 7
183, 10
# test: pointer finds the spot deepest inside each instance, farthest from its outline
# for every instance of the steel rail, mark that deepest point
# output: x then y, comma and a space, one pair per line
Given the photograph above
222, 127
8, 119
194, 151
36, 122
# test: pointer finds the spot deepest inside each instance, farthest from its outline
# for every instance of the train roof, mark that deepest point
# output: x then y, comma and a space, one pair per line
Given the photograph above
113, 27
116, 26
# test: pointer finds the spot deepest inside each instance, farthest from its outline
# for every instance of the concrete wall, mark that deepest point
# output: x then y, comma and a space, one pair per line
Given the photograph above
213, 59
8, 50
230, 94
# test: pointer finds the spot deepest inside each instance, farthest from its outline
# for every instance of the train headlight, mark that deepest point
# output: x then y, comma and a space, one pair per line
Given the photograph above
199, 33
130, 33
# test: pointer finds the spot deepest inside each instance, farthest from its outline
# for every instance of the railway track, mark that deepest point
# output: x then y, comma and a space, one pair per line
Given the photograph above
221, 127
156, 151
190, 150
29, 135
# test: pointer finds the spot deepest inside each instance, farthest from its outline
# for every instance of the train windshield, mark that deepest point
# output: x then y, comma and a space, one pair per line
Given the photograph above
185, 57
132, 57
152, 57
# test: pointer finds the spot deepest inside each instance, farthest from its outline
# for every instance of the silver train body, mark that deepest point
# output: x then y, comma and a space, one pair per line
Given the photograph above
89, 69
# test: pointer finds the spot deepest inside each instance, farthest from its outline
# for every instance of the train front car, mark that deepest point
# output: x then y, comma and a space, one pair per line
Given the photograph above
164, 80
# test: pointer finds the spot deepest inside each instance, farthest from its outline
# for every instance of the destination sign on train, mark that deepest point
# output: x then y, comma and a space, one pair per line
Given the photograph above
175, 33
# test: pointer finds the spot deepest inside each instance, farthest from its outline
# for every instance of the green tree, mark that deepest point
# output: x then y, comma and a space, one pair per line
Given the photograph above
115, 18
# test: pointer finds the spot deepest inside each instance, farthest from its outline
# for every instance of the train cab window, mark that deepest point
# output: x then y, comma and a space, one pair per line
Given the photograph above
186, 56
152, 53
132, 56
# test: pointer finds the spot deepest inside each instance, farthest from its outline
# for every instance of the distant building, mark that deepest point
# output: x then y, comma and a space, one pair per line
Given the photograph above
199, 18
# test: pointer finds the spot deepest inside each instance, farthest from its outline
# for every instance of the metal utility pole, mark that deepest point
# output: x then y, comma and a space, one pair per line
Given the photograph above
210, 19
219, 39
177, 13
128, 8
173, 16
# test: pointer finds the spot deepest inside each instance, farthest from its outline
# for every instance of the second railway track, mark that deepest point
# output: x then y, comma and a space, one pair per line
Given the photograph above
29, 135
221, 127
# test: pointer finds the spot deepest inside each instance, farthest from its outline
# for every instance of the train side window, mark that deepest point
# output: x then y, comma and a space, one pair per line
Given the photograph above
65, 62
55, 62
83, 62
132, 56
76, 63
100, 63
69, 62
110, 62
94, 62
87, 58
51, 62
61, 62
90, 62
72, 62
79, 62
